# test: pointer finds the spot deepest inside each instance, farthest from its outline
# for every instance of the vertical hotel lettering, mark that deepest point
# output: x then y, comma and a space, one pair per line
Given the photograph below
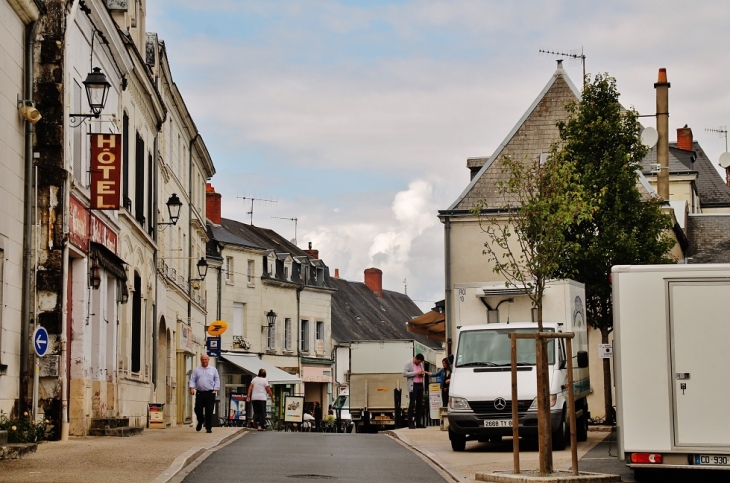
106, 157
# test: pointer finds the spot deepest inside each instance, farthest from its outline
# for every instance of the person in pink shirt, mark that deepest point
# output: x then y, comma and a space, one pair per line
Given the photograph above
413, 371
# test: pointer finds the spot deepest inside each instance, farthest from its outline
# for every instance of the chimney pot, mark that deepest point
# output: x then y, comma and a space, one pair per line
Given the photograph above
337, 273
662, 76
374, 280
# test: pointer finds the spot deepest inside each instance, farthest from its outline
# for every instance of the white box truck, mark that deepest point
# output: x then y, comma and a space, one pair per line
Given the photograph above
480, 394
376, 372
671, 334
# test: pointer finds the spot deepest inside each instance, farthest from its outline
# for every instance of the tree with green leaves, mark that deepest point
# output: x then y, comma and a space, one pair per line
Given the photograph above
600, 139
527, 242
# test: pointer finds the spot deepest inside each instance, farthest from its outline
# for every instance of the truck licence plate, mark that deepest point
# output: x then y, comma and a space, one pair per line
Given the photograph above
497, 423
712, 459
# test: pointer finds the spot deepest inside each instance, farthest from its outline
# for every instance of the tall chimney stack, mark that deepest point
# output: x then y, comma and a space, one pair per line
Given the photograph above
212, 204
662, 127
312, 253
374, 280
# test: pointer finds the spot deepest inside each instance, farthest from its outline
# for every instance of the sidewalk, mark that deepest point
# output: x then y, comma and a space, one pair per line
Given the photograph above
483, 457
153, 456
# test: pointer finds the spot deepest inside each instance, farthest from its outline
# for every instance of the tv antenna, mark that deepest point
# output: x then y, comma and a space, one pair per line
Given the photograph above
405, 286
572, 55
722, 131
250, 212
294, 241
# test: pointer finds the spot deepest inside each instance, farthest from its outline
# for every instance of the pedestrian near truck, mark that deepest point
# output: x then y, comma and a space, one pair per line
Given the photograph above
445, 374
414, 373
257, 391
204, 384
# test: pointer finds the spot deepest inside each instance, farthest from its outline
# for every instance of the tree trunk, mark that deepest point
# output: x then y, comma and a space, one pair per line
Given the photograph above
544, 432
607, 386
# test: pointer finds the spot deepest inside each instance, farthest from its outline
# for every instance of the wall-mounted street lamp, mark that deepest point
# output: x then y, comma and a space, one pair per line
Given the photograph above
202, 270
97, 91
94, 274
270, 319
173, 210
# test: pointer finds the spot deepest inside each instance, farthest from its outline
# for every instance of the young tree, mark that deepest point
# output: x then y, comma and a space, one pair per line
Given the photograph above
601, 140
527, 241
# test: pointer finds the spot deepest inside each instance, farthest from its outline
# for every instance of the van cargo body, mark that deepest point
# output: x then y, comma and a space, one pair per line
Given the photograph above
376, 374
671, 333
480, 394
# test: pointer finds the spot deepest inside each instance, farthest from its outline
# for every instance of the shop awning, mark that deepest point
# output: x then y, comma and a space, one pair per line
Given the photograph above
251, 364
431, 324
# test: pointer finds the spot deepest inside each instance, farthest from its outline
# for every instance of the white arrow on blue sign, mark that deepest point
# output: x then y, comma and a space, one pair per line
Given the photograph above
40, 341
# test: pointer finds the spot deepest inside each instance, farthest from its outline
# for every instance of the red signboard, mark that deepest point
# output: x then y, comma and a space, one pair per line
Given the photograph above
83, 226
106, 166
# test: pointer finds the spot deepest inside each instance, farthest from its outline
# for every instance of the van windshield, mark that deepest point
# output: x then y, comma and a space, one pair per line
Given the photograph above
340, 402
493, 347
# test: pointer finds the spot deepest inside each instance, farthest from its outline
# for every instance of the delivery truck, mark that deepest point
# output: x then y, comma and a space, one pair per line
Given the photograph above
480, 394
671, 333
378, 395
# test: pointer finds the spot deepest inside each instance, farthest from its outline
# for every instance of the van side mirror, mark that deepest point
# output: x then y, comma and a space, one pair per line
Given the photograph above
582, 359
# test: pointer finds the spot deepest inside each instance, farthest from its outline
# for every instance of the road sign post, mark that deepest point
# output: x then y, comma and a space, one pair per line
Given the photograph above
40, 345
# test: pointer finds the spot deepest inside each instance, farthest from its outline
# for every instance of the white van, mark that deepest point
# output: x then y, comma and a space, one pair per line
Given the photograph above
342, 403
480, 393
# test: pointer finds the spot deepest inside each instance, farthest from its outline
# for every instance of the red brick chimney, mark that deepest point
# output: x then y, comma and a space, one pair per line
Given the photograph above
374, 280
312, 253
212, 204
684, 138
337, 273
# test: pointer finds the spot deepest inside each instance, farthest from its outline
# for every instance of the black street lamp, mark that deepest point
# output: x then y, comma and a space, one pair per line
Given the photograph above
271, 318
97, 92
202, 268
173, 210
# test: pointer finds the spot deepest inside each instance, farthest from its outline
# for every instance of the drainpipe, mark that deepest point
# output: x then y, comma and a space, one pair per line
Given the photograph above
190, 224
27, 219
153, 221
447, 277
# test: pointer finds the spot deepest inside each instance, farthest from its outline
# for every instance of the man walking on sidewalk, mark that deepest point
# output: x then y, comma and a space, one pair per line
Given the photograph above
204, 383
414, 372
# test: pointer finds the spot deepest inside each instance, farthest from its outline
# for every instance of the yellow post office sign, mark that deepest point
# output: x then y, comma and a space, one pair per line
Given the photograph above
217, 328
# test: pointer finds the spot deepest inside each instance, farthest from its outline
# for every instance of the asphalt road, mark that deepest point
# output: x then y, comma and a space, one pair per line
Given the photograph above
288, 457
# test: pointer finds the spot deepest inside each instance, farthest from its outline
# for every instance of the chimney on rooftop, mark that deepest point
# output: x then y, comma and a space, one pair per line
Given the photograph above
312, 253
374, 280
212, 204
684, 138
337, 273
662, 126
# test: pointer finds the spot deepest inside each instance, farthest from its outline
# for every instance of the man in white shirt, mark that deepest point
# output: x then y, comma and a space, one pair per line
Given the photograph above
204, 384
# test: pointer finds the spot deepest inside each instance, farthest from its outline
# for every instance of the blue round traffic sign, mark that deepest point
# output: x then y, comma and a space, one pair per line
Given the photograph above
40, 341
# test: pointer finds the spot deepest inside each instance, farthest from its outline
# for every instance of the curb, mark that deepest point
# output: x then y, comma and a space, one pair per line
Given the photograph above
192, 454
427, 454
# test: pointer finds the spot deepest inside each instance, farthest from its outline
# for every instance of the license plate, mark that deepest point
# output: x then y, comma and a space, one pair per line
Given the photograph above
712, 459
497, 423
382, 418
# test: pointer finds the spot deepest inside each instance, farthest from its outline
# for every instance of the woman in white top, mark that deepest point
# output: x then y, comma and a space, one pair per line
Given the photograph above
257, 391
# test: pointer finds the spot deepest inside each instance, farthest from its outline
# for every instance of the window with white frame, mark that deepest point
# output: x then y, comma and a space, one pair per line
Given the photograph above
287, 334
250, 272
271, 338
237, 325
229, 269
304, 336
319, 336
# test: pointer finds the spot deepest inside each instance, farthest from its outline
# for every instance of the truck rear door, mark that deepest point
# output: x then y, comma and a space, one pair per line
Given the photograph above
699, 325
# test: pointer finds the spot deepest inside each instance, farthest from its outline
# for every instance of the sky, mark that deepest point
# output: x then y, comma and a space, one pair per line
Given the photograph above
356, 117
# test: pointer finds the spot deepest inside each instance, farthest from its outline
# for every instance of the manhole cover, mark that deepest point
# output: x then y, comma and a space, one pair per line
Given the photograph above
313, 477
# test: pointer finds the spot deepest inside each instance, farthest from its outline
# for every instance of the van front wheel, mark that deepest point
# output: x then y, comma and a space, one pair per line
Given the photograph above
458, 441
559, 436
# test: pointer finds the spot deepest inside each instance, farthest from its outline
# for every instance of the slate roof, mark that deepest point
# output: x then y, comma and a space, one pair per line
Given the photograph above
531, 136
709, 238
712, 190
358, 314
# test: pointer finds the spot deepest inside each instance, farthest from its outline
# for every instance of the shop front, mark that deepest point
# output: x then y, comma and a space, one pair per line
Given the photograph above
236, 371
317, 379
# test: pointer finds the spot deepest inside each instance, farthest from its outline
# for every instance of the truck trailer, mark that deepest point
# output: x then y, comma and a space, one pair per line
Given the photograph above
671, 333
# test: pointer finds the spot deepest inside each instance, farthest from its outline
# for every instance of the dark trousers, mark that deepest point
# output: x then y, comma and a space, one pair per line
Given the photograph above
416, 401
204, 403
259, 413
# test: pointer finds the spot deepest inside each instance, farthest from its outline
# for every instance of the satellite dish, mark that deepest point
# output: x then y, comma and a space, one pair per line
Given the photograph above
725, 160
649, 137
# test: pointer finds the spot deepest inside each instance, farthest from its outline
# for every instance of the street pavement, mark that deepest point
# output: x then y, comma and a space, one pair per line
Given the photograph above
161, 455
